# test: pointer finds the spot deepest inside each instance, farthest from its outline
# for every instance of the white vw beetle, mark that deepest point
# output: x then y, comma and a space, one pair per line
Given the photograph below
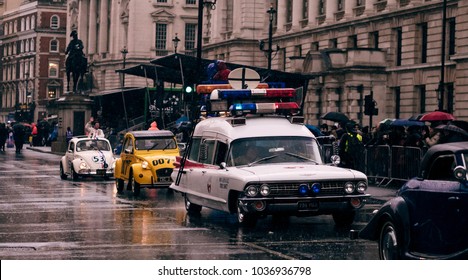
87, 157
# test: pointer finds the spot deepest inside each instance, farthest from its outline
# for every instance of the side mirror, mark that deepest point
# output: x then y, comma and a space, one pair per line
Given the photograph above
70, 151
128, 151
335, 159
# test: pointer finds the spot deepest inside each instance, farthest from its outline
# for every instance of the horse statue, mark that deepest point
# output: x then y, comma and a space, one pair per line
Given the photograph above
76, 62
76, 69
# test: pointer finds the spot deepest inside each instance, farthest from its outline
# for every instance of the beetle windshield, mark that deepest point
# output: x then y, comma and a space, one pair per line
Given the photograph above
92, 144
264, 150
155, 143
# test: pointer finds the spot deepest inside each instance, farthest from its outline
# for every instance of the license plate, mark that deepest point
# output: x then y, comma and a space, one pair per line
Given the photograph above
101, 172
307, 205
164, 179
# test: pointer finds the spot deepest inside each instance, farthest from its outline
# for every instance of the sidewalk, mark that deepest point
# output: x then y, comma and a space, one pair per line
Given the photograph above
379, 194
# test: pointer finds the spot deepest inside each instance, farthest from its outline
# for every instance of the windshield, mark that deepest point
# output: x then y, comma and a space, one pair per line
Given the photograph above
155, 143
266, 150
92, 144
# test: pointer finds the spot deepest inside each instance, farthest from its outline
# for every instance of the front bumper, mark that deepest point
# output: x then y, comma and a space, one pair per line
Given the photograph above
96, 172
302, 205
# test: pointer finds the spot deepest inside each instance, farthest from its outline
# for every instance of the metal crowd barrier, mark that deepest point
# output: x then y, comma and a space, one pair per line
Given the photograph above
385, 164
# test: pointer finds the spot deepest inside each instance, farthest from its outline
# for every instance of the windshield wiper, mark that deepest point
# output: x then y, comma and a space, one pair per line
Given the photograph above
154, 146
167, 145
262, 159
301, 157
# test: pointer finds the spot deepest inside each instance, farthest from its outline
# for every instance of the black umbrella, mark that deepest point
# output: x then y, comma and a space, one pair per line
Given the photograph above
452, 128
335, 117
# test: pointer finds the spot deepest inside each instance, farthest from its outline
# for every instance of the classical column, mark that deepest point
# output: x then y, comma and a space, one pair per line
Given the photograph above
313, 12
103, 26
296, 14
83, 12
369, 7
92, 27
348, 8
331, 8
281, 16
236, 23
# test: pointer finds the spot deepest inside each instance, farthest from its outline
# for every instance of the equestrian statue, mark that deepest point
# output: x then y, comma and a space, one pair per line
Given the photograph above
76, 62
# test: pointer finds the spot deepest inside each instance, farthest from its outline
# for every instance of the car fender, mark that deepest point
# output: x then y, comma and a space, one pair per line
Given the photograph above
63, 161
395, 210
76, 163
137, 169
118, 169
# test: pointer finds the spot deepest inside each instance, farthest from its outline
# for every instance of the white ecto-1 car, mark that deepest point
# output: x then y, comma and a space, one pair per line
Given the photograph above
265, 165
87, 157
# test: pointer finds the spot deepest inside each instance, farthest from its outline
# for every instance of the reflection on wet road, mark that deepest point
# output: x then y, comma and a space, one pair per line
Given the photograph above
44, 217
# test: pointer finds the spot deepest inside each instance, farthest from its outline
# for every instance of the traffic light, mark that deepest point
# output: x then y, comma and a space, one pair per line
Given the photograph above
369, 105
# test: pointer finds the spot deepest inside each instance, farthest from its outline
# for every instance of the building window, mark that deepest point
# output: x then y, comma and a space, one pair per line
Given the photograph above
305, 9
352, 42
423, 41
340, 5
321, 7
374, 40
397, 93
54, 22
53, 46
190, 2
289, 11
422, 99
298, 50
399, 44
451, 36
359, 3
52, 92
28, 21
53, 70
190, 34
333, 43
31, 45
23, 24
161, 35
314, 46
33, 22
450, 97
162, 1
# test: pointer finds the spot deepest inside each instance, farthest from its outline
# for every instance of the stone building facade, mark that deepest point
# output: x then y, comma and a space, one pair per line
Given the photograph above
390, 48
32, 57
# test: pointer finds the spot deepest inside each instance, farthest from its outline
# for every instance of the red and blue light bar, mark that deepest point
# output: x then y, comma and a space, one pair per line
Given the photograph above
208, 88
264, 108
252, 93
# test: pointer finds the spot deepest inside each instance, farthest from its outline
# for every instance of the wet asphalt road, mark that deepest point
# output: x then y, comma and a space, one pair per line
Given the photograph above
44, 217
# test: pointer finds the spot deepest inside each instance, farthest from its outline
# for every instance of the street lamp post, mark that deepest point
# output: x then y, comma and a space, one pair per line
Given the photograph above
441, 87
175, 41
201, 5
272, 13
124, 52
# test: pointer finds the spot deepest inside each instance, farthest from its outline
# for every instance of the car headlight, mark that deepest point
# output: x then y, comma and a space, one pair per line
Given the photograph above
251, 191
264, 190
349, 187
361, 187
83, 165
144, 164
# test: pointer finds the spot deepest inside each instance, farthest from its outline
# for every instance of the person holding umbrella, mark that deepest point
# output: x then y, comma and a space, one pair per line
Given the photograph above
18, 135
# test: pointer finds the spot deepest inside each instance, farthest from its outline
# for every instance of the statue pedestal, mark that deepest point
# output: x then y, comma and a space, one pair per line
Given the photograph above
74, 111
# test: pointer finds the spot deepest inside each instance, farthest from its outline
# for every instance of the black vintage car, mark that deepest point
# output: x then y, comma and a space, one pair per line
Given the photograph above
428, 219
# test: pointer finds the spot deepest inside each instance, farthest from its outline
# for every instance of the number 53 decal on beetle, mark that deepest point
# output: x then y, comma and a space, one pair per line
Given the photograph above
162, 161
98, 158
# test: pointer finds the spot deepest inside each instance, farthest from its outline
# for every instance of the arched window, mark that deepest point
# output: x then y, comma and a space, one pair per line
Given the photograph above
6, 28
53, 69
26, 46
31, 44
15, 26
28, 26
53, 46
22, 47
54, 22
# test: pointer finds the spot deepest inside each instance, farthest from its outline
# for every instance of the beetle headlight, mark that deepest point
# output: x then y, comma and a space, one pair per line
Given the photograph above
361, 187
264, 190
349, 187
251, 191
144, 164
83, 165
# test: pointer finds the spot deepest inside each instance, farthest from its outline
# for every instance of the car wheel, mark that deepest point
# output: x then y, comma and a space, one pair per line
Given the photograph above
135, 184
344, 219
245, 219
63, 176
74, 175
191, 207
120, 185
389, 242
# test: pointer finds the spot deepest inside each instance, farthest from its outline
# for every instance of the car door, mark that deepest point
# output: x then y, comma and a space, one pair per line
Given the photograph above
69, 155
127, 156
435, 210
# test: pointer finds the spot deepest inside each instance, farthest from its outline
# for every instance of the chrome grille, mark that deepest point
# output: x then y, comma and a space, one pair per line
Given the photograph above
292, 189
